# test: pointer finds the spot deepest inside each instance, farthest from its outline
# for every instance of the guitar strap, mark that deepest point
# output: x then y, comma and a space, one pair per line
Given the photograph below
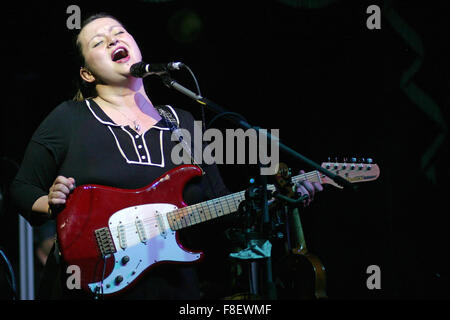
171, 122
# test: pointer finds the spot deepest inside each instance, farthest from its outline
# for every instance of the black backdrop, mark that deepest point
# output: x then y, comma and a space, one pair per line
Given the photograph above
332, 87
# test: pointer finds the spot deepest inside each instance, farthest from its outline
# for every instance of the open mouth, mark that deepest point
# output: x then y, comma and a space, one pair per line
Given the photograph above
120, 55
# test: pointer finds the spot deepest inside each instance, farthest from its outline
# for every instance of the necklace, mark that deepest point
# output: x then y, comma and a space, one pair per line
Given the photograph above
137, 126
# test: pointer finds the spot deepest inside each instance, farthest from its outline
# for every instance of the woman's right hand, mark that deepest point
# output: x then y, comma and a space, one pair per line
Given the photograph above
58, 193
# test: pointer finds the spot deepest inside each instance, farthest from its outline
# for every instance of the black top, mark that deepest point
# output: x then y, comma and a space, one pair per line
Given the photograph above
77, 139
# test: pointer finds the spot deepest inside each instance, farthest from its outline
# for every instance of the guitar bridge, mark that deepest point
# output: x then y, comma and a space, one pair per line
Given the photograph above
104, 241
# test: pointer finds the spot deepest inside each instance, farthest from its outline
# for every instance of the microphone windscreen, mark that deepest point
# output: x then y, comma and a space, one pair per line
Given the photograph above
138, 69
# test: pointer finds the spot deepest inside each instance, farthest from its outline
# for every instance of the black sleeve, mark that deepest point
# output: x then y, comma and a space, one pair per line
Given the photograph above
33, 180
40, 163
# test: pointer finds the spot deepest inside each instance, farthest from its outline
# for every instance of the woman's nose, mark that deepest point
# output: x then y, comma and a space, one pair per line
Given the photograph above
112, 42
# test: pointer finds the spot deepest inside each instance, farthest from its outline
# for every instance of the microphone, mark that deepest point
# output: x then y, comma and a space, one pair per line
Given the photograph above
142, 69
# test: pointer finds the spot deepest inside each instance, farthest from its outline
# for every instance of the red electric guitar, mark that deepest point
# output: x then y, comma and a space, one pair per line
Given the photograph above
114, 235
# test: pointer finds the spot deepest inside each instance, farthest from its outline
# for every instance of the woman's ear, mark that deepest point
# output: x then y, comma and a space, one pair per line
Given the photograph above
86, 75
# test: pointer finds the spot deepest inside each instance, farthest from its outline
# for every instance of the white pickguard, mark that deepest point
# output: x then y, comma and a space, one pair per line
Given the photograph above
161, 244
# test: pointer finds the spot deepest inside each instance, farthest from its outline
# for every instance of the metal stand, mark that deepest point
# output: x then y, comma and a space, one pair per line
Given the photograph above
26, 260
269, 286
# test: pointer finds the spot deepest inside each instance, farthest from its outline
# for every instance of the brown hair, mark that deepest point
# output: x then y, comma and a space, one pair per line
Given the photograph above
86, 90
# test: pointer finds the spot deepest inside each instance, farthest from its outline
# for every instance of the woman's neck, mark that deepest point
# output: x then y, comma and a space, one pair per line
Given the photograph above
131, 96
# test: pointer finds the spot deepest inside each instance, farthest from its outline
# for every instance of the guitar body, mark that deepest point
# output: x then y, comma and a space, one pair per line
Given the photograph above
300, 277
299, 274
115, 235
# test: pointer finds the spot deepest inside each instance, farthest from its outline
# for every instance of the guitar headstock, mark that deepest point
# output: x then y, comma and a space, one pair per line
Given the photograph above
353, 171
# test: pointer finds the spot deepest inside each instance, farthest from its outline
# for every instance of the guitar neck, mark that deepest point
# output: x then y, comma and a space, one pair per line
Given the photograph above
216, 208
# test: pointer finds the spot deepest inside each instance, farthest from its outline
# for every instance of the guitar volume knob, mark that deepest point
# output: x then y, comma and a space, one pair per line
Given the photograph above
118, 280
125, 260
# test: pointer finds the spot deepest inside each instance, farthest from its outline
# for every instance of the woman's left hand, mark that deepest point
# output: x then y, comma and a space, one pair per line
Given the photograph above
305, 187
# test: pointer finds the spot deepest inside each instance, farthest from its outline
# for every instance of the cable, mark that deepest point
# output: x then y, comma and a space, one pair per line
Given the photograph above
195, 79
103, 276
98, 292
224, 114
11, 280
198, 93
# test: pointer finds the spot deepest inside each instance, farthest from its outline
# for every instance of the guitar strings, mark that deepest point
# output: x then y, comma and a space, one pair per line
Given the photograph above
187, 216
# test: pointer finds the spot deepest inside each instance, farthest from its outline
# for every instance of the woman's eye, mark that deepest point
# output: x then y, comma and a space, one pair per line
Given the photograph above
97, 44
120, 32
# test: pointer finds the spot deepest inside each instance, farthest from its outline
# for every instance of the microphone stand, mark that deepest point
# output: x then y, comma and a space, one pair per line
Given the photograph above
169, 82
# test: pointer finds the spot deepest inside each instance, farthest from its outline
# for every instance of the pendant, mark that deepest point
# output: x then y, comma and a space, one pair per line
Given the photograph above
137, 126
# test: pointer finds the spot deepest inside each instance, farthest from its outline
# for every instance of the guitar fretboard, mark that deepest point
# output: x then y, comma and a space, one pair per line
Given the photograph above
219, 207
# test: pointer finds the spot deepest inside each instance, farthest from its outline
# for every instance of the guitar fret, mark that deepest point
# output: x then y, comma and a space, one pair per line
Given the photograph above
202, 212
318, 176
191, 217
188, 217
211, 209
196, 219
312, 176
228, 205
181, 217
218, 212
218, 208
173, 221
208, 210
222, 211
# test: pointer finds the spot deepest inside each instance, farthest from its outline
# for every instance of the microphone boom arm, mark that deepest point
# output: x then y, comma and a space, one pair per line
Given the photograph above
169, 82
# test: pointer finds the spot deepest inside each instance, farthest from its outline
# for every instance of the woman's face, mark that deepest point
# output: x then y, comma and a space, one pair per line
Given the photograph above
109, 50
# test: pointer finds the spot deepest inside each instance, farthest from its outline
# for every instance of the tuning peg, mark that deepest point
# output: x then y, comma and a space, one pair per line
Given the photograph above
328, 164
369, 163
353, 160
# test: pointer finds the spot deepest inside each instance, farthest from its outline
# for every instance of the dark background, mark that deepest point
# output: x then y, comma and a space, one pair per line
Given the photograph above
331, 86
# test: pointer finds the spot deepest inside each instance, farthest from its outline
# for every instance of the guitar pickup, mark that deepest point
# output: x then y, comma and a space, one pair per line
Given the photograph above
162, 229
122, 236
104, 241
141, 231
